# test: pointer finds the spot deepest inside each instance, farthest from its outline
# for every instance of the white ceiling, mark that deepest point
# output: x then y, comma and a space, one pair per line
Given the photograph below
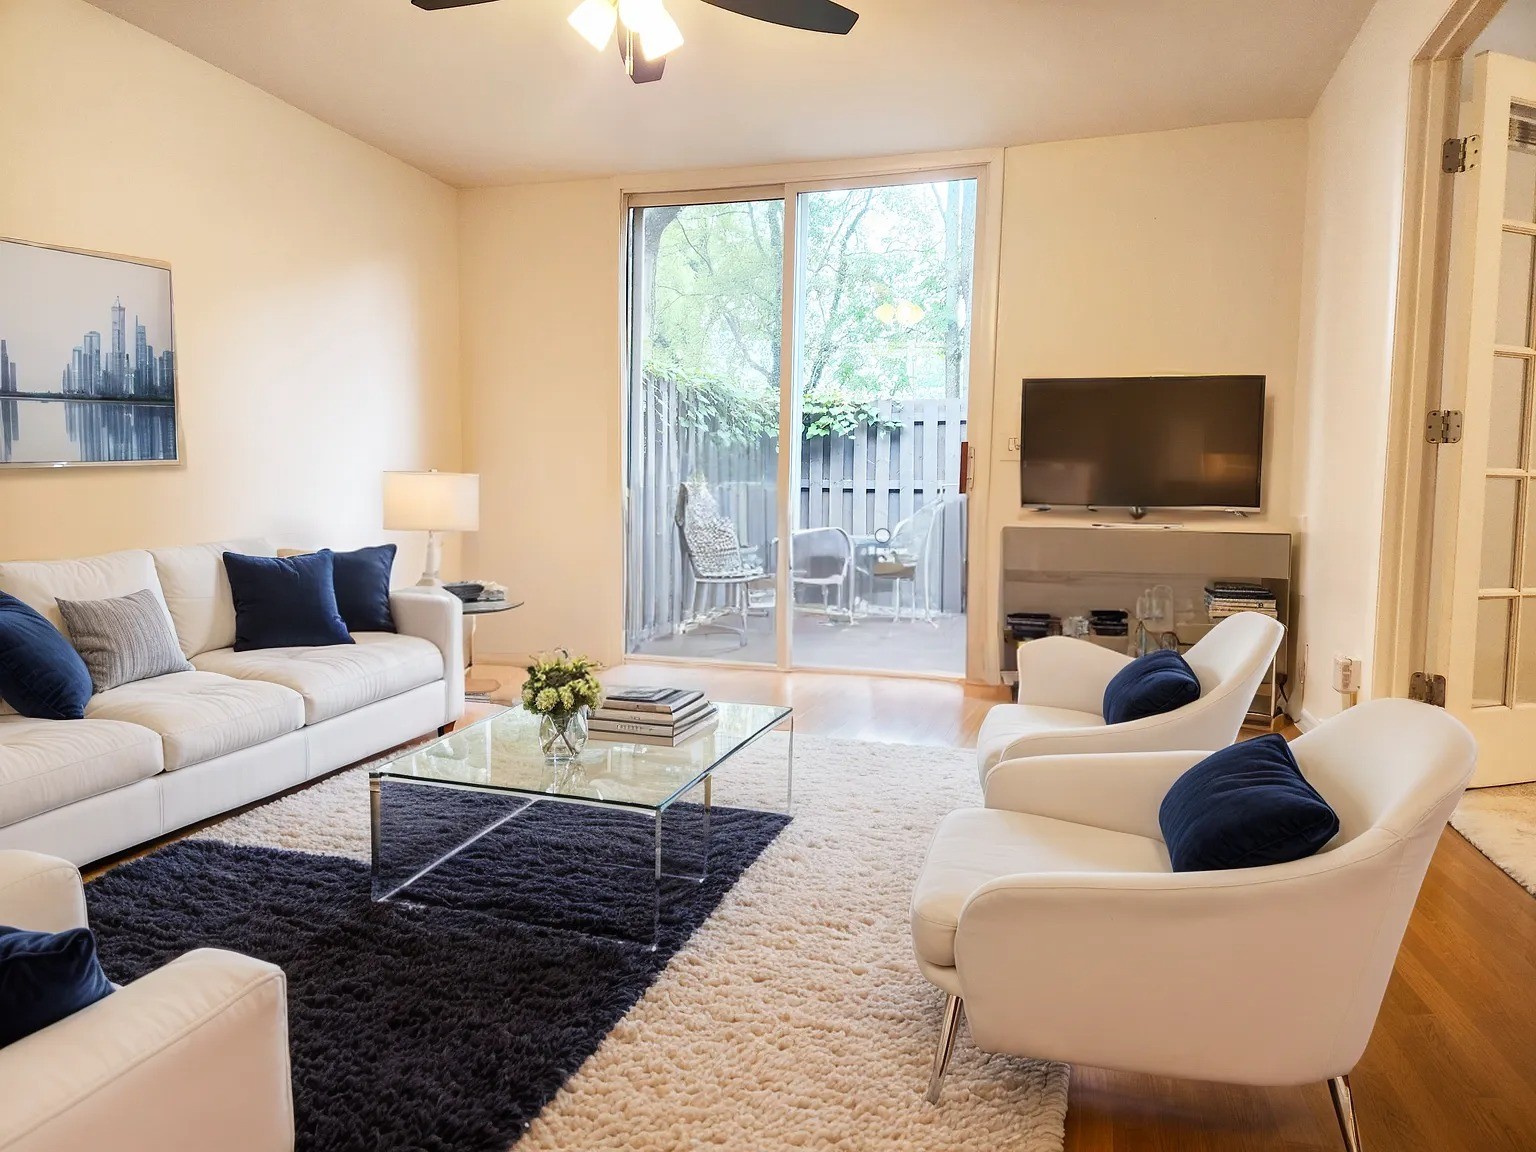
507, 92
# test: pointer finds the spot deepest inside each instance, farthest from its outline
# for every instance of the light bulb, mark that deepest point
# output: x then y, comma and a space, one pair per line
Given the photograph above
909, 314
886, 313
647, 19
595, 20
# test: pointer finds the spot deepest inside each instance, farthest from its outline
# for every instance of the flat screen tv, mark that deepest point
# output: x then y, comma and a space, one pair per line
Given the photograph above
1138, 442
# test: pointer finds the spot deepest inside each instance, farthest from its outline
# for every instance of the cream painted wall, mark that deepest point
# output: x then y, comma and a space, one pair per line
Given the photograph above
316, 285
1357, 139
1169, 252
541, 298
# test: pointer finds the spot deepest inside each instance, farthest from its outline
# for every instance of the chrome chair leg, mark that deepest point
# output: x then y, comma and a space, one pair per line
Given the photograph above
954, 1010
1344, 1109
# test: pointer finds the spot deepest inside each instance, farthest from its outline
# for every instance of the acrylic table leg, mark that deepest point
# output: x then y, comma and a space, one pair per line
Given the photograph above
709, 790
789, 787
375, 819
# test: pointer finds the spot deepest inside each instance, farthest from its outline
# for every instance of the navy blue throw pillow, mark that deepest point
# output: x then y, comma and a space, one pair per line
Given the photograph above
362, 588
44, 977
41, 675
1149, 686
1244, 807
285, 602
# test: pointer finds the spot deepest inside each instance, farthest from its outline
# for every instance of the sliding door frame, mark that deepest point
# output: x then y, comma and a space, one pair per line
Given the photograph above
986, 168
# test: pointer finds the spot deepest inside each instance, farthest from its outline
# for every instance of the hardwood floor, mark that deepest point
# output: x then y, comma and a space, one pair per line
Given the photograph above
1451, 1066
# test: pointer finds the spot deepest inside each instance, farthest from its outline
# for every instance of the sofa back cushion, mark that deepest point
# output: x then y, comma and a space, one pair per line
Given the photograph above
42, 583
197, 591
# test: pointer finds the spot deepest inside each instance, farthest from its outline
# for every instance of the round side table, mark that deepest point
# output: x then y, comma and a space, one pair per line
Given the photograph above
480, 688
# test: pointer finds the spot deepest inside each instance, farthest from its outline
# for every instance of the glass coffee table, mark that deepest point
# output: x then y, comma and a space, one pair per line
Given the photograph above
659, 799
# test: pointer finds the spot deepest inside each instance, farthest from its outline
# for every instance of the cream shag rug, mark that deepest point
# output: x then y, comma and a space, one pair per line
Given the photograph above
795, 1018
1501, 823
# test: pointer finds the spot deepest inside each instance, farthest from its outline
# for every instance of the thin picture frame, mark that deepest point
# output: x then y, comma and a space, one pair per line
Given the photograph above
177, 444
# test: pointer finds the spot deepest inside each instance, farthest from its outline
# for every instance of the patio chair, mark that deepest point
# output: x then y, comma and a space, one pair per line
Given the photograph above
714, 553
823, 558
907, 553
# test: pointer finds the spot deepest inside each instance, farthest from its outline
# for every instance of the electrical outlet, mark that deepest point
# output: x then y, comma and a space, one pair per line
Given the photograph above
1346, 674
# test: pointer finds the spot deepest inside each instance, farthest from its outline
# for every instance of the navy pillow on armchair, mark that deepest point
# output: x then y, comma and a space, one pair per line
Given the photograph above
285, 602
1243, 807
44, 977
1150, 685
362, 588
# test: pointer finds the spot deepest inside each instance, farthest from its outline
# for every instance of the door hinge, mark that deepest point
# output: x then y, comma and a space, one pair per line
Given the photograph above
1459, 154
1443, 426
1427, 689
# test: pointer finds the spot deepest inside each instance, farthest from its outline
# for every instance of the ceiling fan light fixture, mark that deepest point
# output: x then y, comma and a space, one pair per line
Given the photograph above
649, 20
595, 20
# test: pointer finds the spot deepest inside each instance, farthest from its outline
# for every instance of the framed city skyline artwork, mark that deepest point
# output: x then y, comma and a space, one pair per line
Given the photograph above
87, 359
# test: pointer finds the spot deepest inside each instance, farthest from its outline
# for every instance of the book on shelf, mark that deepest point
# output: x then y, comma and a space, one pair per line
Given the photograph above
609, 720
665, 701
669, 739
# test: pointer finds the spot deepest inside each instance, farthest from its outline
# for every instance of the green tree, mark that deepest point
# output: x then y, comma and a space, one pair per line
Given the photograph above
886, 280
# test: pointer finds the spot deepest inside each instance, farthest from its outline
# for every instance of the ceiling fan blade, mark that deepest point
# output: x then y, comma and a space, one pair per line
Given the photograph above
643, 71
439, 5
809, 15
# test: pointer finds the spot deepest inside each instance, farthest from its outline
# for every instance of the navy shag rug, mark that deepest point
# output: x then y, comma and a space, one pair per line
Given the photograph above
447, 1024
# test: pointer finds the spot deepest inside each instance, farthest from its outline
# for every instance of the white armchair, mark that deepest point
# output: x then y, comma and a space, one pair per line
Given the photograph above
191, 1057
1061, 697
1054, 924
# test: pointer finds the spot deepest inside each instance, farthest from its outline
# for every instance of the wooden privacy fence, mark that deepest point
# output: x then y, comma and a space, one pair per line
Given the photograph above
888, 468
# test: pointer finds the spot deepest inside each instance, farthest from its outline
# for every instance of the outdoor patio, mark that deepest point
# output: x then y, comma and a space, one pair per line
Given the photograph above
876, 642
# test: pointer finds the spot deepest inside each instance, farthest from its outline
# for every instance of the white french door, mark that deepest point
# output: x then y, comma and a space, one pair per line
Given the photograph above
800, 366
1483, 575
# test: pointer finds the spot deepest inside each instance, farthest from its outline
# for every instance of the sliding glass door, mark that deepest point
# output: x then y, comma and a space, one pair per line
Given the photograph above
863, 379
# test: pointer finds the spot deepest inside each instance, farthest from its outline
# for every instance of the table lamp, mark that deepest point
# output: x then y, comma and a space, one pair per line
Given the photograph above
432, 502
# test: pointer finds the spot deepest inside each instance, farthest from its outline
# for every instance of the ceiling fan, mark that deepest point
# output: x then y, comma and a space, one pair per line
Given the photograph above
647, 32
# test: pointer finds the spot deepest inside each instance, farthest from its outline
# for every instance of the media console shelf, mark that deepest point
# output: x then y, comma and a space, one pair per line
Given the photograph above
1071, 568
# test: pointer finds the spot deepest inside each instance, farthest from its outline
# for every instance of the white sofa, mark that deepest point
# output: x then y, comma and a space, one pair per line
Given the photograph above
192, 1057
157, 755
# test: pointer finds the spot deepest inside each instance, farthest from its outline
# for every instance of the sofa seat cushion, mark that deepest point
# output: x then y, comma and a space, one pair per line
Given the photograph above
200, 716
46, 764
1005, 723
975, 845
336, 678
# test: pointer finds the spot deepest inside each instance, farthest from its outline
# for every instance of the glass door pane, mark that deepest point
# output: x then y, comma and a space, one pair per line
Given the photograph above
1505, 651
883, 327
705, 317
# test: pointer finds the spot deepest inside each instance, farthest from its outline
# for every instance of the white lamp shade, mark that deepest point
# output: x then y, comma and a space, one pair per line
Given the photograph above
432, 501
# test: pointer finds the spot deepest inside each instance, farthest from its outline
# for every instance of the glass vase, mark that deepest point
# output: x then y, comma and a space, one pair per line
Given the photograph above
562, 737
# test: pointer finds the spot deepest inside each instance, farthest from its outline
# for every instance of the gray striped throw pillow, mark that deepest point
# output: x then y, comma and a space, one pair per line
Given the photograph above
124, 639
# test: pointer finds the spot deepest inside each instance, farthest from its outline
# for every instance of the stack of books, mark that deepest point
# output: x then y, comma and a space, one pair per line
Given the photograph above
666, 716
1225, 598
